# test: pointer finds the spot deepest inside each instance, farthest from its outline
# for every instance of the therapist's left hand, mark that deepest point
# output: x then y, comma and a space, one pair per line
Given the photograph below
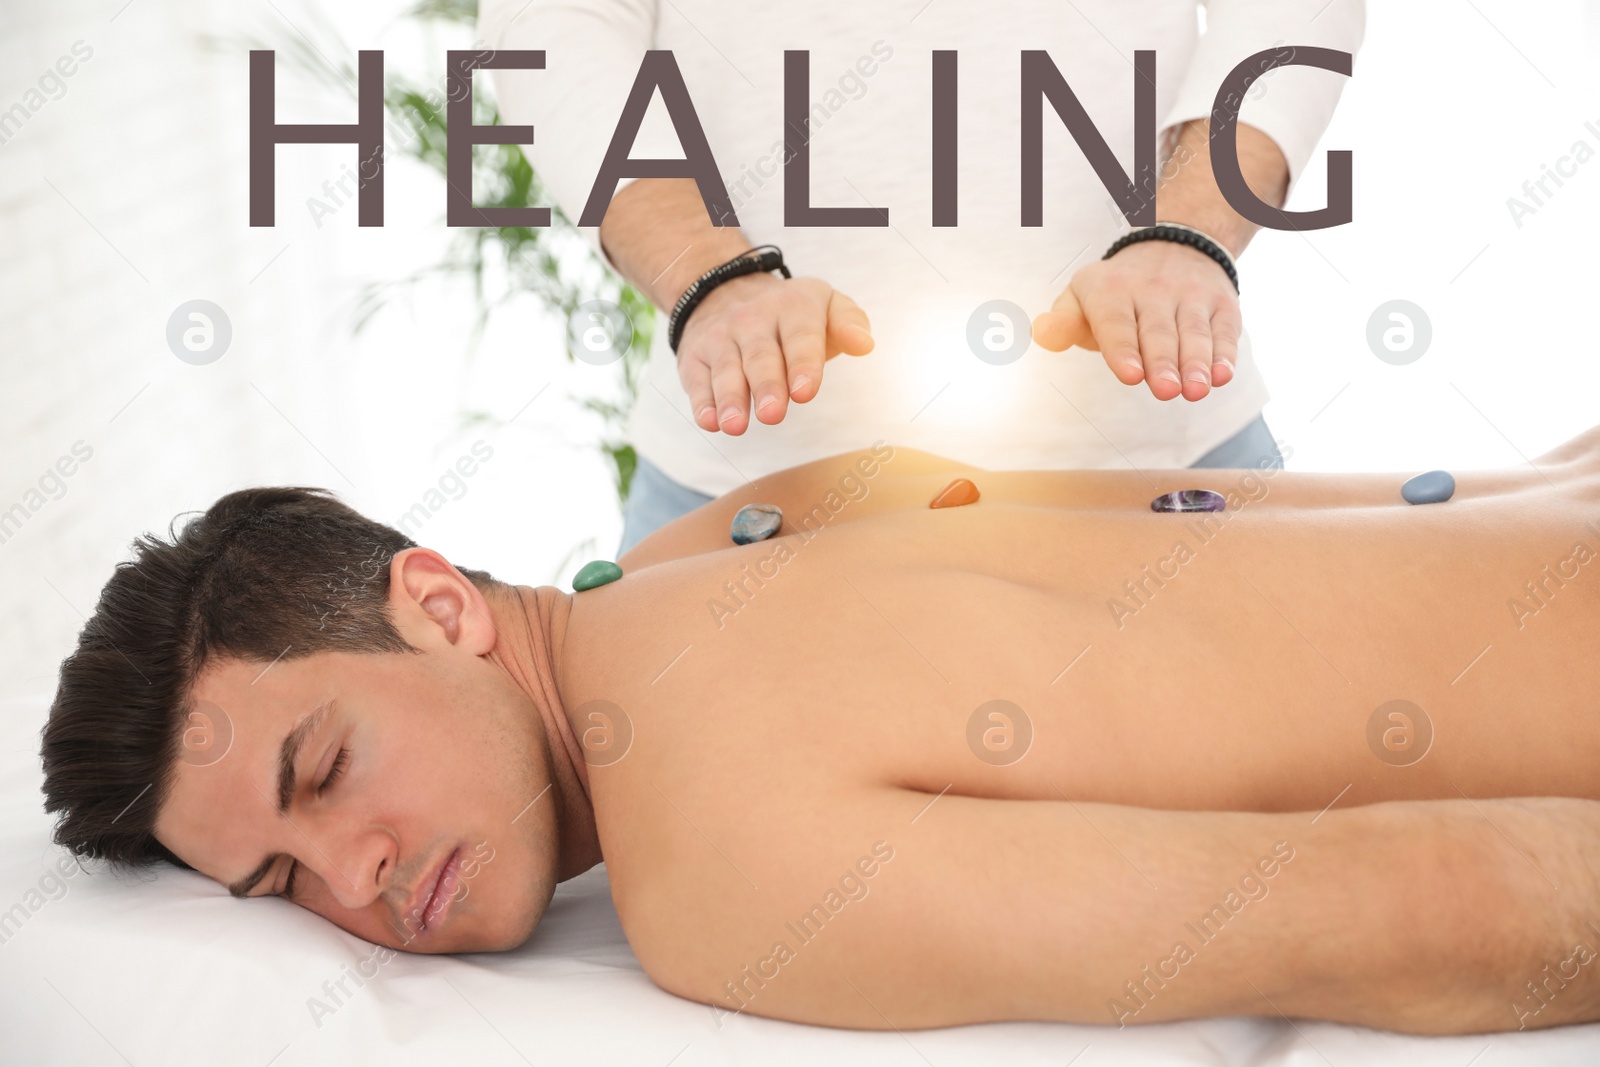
1158, 312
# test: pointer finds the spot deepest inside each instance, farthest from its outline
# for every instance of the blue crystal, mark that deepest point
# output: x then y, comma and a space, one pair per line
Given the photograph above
1189, 500
756, 522
1430, 487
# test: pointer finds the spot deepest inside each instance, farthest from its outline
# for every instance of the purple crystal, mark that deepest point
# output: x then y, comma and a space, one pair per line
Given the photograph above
1189, 500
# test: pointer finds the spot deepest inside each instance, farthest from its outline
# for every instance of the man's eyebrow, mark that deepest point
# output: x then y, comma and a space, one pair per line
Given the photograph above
289, 751
242, 887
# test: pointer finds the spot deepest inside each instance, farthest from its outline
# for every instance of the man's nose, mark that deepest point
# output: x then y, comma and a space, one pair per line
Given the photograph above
359, 867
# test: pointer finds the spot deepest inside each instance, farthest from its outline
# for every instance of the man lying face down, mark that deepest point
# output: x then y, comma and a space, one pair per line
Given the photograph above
1047, 755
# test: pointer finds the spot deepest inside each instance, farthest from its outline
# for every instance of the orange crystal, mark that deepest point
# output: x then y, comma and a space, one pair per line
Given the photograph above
954, 495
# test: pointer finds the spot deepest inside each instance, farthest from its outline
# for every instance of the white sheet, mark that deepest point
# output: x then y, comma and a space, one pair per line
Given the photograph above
168, 969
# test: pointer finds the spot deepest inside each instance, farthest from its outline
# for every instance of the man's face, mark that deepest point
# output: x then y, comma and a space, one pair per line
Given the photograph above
404, 761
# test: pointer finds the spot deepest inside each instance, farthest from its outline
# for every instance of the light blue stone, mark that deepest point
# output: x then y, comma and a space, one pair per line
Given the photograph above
756, 522
1431, 487
595, 573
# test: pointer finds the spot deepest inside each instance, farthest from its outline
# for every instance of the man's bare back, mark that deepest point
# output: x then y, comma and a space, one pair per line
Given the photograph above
894, 679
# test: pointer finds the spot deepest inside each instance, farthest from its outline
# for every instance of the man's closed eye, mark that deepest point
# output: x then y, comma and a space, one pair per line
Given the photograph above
340, 763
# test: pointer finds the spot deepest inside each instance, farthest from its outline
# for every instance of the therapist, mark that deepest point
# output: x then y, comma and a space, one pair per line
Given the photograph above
934, 313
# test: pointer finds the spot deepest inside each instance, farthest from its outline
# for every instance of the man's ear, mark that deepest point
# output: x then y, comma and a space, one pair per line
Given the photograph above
433, 602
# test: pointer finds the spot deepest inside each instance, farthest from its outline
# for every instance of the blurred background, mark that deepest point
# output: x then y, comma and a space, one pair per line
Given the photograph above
371, 360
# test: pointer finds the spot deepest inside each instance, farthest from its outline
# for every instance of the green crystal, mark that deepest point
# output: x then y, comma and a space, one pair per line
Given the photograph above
594, 573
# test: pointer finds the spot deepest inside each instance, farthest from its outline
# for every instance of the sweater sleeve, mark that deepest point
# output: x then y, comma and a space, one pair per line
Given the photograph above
1290, 104
592, 49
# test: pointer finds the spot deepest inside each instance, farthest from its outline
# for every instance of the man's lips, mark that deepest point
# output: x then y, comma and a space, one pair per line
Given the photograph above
432, 900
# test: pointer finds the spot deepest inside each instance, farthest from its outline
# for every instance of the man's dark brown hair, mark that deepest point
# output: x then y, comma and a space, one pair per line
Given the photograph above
265, 574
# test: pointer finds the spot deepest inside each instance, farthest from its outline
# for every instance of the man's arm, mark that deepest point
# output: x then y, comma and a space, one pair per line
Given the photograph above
656, 233
754, 342
758, 334
1190, 194
1423, 917
1162, 312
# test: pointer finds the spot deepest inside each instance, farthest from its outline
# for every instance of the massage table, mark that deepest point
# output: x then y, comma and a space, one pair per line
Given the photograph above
163, 967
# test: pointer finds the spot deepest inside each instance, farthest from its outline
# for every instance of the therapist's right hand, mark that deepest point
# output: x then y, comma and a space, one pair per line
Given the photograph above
758, 341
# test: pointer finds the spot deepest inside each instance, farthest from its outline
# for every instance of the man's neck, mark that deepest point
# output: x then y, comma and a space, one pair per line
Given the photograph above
531, 625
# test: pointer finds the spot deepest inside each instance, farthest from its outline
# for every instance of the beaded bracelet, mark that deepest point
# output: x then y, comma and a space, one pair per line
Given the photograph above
1185, 235
736, 267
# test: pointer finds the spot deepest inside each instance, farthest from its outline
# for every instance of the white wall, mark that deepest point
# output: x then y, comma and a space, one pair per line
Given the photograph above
1451, 108
149, 144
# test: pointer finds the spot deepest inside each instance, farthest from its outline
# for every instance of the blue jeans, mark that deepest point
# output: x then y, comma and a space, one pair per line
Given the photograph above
655, 500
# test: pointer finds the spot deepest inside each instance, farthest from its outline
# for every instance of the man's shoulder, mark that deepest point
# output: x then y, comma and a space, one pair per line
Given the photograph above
837, 486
